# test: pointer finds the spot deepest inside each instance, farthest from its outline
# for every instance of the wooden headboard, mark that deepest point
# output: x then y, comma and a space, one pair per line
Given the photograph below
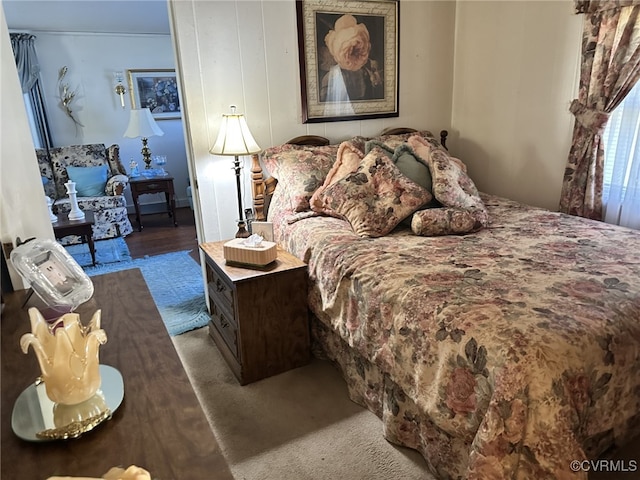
263, 188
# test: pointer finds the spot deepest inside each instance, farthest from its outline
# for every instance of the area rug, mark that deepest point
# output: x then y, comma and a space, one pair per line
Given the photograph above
111, 250
176, 285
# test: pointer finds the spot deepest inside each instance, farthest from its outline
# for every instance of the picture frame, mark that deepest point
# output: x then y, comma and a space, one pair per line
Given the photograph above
156, 90
349, 59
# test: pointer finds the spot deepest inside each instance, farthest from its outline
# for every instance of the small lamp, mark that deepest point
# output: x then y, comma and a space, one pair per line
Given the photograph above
234, 138
120, 90
142, 125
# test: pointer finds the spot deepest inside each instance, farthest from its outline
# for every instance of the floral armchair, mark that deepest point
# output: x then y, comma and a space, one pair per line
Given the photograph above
110, 209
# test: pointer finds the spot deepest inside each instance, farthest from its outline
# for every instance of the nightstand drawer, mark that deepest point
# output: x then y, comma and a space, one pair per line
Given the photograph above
152, 187
221, 289
225, 325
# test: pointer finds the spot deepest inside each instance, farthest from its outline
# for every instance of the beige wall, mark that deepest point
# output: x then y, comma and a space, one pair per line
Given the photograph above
515, 74
246, 53
23, 211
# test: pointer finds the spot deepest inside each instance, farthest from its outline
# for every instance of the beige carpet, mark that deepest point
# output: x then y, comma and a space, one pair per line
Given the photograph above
299, 425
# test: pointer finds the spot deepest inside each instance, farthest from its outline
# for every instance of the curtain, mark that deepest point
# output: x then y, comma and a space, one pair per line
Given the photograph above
24, 52
621, 192
610, 69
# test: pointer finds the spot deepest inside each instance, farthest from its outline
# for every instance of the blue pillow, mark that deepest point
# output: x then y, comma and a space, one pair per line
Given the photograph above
90, 181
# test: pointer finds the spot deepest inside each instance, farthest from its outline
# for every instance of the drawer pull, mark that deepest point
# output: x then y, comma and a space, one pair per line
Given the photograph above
219, 285
223, 322
152, 185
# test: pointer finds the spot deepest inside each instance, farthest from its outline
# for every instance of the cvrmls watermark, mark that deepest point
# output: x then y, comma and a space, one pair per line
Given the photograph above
604, 466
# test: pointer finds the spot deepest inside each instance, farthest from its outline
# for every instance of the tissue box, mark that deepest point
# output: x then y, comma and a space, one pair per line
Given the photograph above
234, 251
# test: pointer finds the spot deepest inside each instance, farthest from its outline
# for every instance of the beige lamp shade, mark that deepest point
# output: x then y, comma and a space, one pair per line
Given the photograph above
142, 124
234, 137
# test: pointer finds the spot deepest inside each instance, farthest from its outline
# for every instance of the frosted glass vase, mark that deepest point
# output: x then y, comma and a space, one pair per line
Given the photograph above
67, 352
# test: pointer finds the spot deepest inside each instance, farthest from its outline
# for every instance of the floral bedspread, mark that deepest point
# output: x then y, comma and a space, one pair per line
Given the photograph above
520, 342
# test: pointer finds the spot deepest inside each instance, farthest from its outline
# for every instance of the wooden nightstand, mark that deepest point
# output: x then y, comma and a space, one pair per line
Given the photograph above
259, 318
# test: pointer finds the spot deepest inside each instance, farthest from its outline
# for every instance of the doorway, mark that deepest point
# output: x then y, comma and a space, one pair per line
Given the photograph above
94, 39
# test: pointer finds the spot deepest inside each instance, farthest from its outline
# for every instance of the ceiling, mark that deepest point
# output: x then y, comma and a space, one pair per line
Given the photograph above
97, 16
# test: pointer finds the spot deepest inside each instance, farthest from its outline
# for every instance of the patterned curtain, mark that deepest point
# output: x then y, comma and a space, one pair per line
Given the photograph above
24, 52
610, 68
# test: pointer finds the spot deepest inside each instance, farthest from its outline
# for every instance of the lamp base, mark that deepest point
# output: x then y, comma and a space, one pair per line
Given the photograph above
242, 230
146, 154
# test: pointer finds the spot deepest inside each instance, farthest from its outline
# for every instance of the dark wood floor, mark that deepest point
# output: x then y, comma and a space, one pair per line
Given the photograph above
159, 236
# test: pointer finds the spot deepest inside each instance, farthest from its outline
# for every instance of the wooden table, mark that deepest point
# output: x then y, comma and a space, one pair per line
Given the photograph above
160, 425
259, 318
83, 228
142, 185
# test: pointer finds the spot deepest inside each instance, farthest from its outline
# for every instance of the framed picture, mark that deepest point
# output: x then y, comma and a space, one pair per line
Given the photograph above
156, 90
348, 53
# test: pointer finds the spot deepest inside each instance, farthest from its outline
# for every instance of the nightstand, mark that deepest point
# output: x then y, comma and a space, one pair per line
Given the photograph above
259, 318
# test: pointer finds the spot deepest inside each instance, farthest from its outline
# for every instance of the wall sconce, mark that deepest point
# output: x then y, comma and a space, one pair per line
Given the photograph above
120, 90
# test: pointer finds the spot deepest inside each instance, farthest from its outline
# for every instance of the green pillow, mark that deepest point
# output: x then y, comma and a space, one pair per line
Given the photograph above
90, 181
406, 162
417, 171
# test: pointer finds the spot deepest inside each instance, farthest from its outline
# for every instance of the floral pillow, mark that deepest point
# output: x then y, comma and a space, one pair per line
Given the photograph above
349, 156
462, 208
300, 170
448, 221
374, 198
395, 140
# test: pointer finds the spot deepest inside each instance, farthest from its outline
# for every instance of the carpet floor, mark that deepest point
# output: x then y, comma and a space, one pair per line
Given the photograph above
299, 425
176, 285
112, 250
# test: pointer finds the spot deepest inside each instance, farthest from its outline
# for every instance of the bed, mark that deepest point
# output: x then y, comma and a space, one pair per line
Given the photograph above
507, 347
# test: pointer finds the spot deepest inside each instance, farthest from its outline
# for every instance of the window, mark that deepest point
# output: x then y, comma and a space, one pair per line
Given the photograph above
37, 140
621, 191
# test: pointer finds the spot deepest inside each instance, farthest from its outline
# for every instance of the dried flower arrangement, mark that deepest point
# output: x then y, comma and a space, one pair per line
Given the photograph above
66, 95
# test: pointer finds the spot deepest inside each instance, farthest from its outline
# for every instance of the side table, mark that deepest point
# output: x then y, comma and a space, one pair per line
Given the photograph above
259, 318
83, 228
142, 185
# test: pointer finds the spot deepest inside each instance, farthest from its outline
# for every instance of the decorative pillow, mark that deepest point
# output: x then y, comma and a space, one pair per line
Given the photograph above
453, 188
393, 141
88, 155
447, 221
347, 161
300, 170
406, 161
410, 165
374, 198
90, 181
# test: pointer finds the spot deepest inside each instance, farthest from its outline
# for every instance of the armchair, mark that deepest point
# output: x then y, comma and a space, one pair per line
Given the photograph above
110, 208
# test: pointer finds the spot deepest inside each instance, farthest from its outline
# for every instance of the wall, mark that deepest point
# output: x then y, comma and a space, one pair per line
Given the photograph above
516, 72
23, 211
246, 53
91, 60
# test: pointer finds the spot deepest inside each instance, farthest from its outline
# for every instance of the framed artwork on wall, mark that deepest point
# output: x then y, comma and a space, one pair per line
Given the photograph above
156, 90
349, 53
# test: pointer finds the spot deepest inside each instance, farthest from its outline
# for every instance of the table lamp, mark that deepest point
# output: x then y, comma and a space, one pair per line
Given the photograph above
234, 138
142, 125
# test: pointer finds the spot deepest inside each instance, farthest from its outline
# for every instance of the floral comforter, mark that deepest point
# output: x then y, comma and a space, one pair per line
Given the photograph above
517, 348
